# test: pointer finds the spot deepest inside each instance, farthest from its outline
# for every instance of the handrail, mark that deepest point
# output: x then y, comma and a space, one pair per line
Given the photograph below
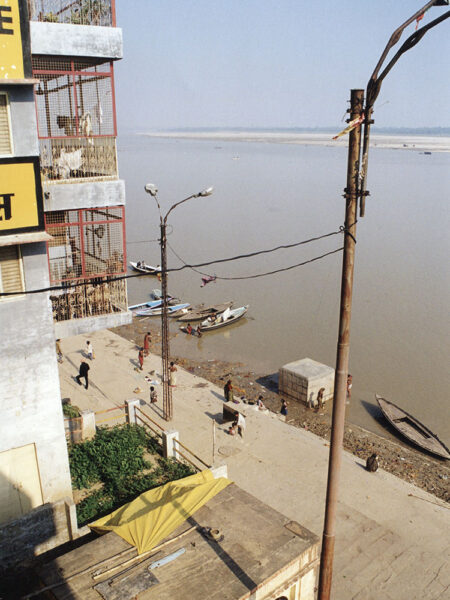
190, 451
100, 412
188, 460
149, 418
149, 426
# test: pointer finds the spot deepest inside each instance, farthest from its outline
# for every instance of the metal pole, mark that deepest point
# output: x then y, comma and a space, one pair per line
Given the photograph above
167, 390
343, 348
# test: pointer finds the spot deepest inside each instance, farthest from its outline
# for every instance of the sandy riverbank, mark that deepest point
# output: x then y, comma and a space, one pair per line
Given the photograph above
398, 458
418, 143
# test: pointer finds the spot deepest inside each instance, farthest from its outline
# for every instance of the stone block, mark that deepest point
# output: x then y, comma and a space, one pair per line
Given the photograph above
301, 380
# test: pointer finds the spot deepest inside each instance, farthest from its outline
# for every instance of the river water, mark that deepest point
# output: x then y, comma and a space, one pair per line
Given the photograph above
267, 194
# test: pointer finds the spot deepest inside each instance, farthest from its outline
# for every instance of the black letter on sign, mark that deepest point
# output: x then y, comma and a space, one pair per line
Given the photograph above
5, 20
6, 205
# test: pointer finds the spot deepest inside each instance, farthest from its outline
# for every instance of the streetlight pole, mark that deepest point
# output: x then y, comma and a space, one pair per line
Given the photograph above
165, 344
356, 188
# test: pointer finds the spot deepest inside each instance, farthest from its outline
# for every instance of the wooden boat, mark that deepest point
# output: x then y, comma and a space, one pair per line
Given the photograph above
143, 267
151, 304
412, 429
202, 312
226, 318
154, 312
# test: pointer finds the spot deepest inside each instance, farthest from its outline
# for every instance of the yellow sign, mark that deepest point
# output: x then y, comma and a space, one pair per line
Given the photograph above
20, 196
12, 44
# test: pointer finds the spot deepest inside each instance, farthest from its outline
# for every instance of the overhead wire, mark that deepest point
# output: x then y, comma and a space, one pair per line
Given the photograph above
67, 285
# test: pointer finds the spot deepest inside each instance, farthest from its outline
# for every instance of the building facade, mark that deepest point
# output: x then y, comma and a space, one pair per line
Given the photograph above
62, 226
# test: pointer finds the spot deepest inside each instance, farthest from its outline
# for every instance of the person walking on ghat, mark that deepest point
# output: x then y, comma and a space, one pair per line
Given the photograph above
228, 391
153, 395
141, 359
147, 340
89, 350
284, 408
58, 350
172, 376
83, 372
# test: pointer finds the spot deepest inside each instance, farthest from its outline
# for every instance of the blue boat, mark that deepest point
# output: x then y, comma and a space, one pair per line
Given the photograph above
154, 312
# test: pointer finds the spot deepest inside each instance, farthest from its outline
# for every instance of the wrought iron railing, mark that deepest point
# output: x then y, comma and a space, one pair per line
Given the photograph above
77, 12
74, 158
91, 300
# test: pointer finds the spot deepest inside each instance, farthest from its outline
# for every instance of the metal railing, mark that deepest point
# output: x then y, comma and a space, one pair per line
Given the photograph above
76, 12
146, 422
116, 417
93, 300
189, 460
78, 158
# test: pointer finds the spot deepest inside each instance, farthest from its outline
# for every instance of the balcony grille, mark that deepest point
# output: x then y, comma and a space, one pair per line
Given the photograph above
77, 12
86, 250
76, 119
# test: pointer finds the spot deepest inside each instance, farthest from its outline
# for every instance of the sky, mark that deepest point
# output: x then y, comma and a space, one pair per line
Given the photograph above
273, 63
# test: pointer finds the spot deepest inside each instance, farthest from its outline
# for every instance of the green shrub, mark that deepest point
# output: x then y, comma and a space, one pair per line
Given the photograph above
115, 458
71, 412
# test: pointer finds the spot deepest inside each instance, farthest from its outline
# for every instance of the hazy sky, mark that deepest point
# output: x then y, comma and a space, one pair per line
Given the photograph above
273, 63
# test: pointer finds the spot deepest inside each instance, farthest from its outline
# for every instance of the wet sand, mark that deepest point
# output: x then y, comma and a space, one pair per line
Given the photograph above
419, 143
397, 457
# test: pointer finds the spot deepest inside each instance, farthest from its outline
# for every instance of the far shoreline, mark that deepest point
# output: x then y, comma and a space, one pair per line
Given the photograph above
414, 142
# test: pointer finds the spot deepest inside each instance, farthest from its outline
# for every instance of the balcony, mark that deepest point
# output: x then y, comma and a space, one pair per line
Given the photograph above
78, 12
76, 159
92, 298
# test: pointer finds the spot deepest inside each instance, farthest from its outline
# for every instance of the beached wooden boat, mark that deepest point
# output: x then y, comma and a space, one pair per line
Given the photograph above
202, 312
154, 312
222, 320
143, 267
412, 429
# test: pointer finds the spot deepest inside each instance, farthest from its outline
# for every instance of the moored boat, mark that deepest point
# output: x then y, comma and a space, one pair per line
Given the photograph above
200, 313
226, 318
411, 428
143, 267
154, 312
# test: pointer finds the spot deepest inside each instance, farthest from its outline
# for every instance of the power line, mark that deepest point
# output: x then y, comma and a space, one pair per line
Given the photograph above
69, 285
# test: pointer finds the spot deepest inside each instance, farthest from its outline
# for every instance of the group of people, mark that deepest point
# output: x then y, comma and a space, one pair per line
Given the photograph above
191, 331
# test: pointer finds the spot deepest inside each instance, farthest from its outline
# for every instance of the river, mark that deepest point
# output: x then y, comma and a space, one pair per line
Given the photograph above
268, 194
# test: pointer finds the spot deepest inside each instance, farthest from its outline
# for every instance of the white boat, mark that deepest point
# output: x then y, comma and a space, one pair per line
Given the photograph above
154, 312
143, 267
226, 318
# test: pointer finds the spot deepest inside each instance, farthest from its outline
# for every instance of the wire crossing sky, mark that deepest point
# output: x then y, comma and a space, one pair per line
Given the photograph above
274, 63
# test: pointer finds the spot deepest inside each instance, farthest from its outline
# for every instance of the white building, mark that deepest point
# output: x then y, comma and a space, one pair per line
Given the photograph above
62, 223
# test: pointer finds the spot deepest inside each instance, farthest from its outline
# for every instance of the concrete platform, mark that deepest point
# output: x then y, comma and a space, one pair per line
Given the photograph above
390, 543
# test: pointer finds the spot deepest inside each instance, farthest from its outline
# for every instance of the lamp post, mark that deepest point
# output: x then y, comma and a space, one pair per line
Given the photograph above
355, 190
151, 189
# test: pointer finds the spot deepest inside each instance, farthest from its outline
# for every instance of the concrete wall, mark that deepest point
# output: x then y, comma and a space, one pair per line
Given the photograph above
23, 119
60, 39
78, 326
91, 194
30, 400
40, 530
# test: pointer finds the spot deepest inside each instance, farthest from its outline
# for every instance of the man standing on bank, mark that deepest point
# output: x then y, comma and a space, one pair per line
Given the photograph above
228, 391
83, 372
147, 340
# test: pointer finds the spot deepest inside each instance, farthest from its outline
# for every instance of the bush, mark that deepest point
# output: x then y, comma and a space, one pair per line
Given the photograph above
115, 459
71, 412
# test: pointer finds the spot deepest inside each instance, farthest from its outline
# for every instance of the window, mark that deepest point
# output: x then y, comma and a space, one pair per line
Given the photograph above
5, 126
11, 273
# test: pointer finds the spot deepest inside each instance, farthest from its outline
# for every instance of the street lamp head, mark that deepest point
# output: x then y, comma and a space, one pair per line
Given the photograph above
206, 192
151, 189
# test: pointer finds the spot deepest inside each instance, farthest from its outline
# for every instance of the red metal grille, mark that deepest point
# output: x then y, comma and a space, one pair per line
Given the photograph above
74, 99
77, 12
86, 243
88, 247
76, 119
